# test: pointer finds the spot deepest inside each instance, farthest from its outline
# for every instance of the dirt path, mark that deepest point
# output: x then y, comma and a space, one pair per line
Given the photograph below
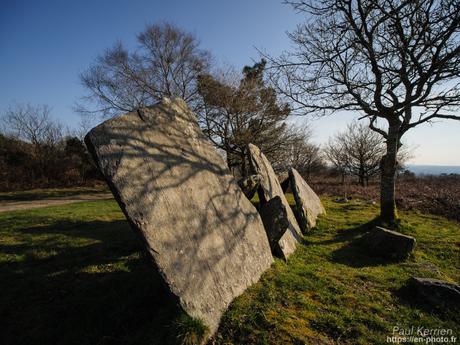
6, 206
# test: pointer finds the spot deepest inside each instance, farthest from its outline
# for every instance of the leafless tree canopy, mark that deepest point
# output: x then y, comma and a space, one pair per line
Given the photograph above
397, 62
32, 123
386, 58
166, 63
358, 151
300, 153
35, 152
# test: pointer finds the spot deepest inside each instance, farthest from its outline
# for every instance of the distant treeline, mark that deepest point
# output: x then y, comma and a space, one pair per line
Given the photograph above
35, 152
25, 165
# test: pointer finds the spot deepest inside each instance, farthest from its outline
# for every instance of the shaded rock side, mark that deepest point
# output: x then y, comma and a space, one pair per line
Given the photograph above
206, 238
284, 181
270, 188
436, 293
249, 185
388, 244
308, 205
274, 217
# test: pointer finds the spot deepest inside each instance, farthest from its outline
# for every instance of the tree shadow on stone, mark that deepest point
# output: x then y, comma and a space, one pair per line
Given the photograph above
175, 181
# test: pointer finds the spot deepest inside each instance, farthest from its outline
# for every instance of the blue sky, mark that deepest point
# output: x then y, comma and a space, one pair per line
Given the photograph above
45, 45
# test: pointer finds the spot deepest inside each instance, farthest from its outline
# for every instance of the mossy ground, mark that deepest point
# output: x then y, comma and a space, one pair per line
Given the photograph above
76, 274
333, 292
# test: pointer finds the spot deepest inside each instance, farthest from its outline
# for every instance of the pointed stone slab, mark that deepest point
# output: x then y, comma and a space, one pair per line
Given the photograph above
308, 204
271, 188
206, 238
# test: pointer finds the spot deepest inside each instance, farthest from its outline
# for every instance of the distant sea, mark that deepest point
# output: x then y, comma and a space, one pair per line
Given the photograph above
434, 169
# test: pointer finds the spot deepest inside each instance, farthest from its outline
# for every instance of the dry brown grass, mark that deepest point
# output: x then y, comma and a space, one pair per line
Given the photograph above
438, 195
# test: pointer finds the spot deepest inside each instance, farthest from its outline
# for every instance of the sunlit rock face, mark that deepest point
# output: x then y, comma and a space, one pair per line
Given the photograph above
308, 205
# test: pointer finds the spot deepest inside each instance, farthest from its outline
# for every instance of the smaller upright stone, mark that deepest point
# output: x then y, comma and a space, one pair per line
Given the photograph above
308, 204
388, 244
249, 185
269, 188
274, 217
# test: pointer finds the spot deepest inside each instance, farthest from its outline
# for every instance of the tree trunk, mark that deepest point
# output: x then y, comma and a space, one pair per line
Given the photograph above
231, 166
361, 173
388, 166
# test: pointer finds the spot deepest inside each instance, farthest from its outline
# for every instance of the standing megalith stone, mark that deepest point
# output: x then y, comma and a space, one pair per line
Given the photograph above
274, 217
308, 205
206, 238
270, 188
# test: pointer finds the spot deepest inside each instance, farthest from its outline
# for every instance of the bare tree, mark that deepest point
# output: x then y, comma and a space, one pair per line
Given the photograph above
34, 124
361, 151
337, 156
167, 63
235, 114
300, 153
397, 62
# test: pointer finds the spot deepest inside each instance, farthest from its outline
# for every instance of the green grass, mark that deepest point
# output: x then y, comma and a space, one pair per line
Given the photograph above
331, 291
43, 194
76, 274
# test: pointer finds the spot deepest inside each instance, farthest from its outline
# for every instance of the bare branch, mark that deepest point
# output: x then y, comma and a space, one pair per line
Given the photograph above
167, 64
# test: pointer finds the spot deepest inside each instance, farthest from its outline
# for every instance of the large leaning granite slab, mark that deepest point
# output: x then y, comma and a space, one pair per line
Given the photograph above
206, 238
271, 188
308, 204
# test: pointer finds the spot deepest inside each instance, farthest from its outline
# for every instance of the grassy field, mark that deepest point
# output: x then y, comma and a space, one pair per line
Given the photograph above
76, 274
43, 194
